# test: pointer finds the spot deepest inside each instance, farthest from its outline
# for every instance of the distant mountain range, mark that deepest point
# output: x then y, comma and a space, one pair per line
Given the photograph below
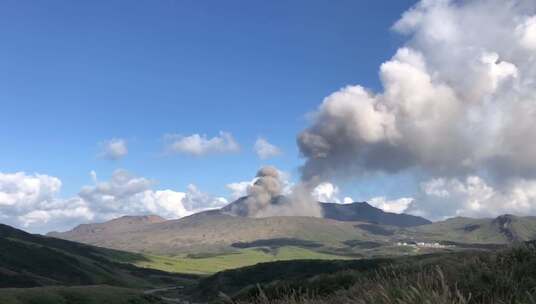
354, 212
356, 228
364, 212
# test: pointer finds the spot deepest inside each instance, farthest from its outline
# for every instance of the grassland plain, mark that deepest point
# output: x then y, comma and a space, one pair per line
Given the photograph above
244, 257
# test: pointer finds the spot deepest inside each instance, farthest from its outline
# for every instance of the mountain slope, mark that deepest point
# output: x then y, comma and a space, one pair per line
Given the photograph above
121, 224
356, 229
354, 212
214, 231
366, 213
28, 260
501, 230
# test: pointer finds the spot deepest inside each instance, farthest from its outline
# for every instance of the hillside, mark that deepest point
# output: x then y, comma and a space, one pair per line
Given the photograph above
218, 230
28, 260
118, 225
213, 231
217, 240
506, 276
504, 229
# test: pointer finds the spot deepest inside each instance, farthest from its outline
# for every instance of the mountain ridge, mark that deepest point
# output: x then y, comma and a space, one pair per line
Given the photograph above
363, 211
356, 211
347, 229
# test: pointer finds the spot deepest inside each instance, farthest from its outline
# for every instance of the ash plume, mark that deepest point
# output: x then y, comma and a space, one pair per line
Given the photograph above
265, 198
265, 190
457, 106
458, 98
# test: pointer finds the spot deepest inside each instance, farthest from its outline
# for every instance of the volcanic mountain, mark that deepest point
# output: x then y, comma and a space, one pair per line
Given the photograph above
354, 212
217, 230
341, 228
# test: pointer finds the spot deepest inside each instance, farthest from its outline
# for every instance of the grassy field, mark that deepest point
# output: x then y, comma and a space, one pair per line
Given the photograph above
75, 295
479, 277
240, 258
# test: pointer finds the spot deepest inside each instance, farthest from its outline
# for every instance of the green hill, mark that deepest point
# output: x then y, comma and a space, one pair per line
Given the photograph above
28, 260
212, 241
504, 229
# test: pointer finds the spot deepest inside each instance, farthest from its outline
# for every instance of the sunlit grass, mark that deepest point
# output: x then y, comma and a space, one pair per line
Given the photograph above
241, 258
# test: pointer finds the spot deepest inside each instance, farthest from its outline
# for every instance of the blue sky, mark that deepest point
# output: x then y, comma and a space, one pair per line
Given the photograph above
426, 111
74, 74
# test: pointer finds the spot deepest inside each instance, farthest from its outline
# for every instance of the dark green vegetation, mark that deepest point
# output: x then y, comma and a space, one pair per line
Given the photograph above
75, 295
276, 243
31, 262
507, 276
28, 260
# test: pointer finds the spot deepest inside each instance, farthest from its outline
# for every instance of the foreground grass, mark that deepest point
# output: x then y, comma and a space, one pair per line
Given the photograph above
75, 295
480, 278
241, 258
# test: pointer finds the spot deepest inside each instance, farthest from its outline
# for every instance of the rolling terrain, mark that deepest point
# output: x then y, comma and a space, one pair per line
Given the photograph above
28, 260
217, 240
480, 277
504, 229
38, 269
214, 231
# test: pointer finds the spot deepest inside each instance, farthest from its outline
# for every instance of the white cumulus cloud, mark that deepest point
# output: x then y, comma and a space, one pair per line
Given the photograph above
114, 149
329, 193
395, 206
265, 150
239, 189
199, 145
127, 194
32, 202
441, 198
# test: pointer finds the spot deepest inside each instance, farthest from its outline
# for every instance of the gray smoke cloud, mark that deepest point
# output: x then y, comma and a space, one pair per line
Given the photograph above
265, 197
264, 191
458, 98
